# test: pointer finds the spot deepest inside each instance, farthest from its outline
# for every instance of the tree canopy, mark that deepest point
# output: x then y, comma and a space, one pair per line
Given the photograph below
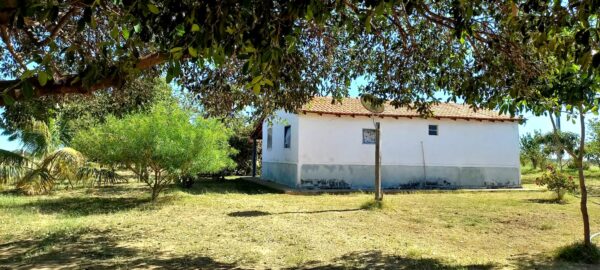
278, 54
159, 145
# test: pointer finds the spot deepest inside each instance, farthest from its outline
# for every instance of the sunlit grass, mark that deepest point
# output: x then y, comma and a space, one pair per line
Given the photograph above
232, 223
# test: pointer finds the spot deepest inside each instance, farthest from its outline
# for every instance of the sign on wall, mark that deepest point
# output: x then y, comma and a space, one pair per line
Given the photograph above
369, 136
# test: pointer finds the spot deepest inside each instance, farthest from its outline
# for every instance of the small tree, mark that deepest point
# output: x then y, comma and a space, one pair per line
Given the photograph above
557, 182
159, 146
531, 149
592, 152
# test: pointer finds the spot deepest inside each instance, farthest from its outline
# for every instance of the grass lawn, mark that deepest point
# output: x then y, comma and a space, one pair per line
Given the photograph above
235, 224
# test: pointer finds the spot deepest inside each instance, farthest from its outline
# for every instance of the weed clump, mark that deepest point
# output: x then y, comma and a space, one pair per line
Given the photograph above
372, 205
579, 253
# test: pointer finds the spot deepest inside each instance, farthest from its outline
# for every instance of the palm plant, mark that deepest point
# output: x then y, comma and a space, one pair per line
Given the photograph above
100, 175
43, 162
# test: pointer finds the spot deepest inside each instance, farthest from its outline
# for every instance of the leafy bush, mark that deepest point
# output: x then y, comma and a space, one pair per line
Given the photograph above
579, 253
556, 182
573, 165
159, 146
531, 150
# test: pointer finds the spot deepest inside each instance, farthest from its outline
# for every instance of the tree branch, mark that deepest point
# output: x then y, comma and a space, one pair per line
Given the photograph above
6, 40
63, 20
72, 84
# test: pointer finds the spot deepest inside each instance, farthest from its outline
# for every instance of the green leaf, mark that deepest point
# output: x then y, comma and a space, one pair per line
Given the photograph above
180, 30
368, 24
256, 89
27, 89
114, 33
309, 12
137, 28
249, 48
195, 28
257, 79
8, 100
93, 23
268, 82
219, 58
193, 52
153, 8
42, 78
176, 49
169, 76
125, 33
27, 74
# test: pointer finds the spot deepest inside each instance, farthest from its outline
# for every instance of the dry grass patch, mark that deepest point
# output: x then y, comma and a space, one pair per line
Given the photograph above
235, 224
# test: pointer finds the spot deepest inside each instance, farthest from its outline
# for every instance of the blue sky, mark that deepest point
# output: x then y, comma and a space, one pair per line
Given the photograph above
533, 123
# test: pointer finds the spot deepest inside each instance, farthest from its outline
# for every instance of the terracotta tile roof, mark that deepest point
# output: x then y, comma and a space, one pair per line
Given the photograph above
353, 106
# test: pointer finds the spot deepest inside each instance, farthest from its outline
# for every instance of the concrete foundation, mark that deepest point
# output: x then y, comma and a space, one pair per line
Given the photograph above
316, 176
283, 173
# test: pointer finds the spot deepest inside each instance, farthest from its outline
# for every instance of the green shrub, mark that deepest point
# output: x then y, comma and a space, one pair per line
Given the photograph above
579, 253
556, 182
372, 205
572, 165
159, 145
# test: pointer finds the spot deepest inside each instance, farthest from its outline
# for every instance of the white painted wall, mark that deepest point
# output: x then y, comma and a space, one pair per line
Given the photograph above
338, 140
278, 153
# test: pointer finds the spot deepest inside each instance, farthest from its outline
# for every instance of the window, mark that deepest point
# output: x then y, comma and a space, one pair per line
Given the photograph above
369, 136
287, 136
269, 138
433, 130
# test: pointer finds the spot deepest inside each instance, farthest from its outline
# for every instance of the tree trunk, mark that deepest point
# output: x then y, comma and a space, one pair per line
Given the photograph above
155, 186
583, 204
578, 158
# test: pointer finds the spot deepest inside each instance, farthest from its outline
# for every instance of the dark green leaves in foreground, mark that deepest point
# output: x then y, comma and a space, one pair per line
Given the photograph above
278, 54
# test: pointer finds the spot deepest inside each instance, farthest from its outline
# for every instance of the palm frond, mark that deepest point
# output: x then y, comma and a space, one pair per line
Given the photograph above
59, 165
10, 158
37, 181
63, 163
10, 174
36, 138
100, 175
12, 165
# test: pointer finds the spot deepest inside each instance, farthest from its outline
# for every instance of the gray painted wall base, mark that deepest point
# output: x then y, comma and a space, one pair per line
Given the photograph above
283, 173
397, 176
316, 176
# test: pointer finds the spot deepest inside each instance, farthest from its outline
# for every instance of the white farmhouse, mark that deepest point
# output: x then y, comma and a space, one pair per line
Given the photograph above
331, 146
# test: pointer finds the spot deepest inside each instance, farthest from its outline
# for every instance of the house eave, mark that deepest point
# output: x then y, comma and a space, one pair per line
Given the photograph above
397, 116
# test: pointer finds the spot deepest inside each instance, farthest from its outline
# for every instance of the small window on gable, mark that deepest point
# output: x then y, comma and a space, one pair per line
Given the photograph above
287, 136
433, 130
269, 138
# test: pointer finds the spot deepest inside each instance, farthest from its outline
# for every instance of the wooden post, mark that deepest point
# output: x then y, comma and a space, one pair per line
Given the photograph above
253, 157
378, 191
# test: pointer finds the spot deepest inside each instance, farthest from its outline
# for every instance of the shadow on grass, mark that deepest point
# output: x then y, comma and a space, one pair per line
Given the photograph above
119, 189
547, 201
228, 186
100, 249
83, 206
378, 260
541, 261
92, 249
256, 213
